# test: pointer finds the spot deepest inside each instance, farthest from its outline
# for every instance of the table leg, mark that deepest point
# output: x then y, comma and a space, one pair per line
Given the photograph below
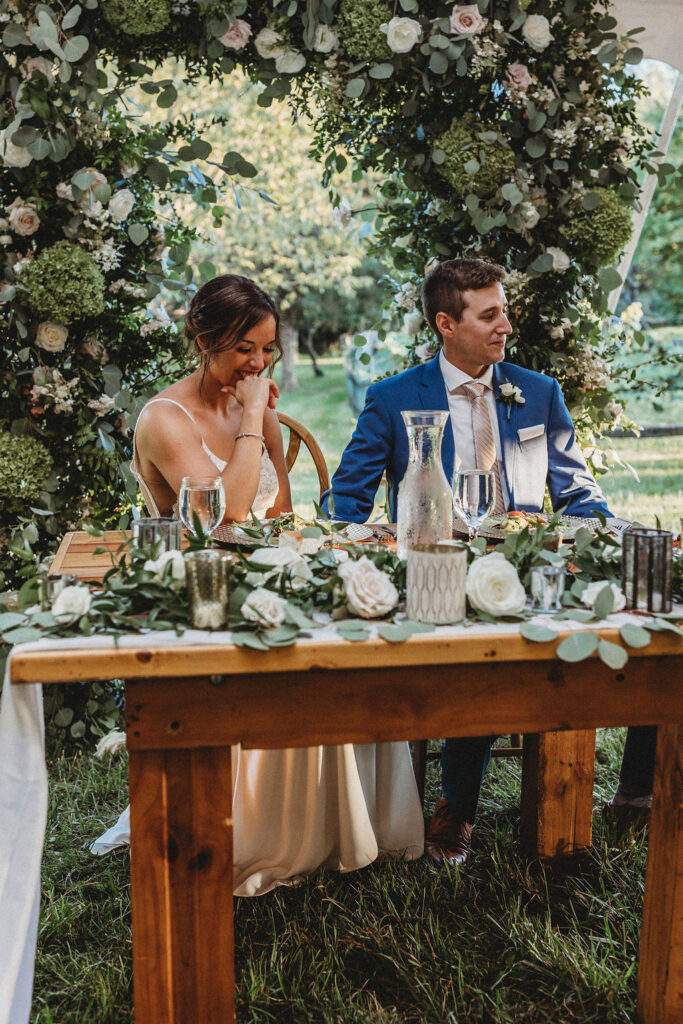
660, 972
181, 885
557, 792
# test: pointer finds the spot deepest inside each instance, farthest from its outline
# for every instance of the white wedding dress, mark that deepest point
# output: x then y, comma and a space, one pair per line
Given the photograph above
300, 809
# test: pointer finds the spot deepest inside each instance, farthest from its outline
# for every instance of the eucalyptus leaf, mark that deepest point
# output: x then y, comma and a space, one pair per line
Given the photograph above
138, 233
64, 717
538, 633
381, 71
75, 48
438, 62
22, 635
8, 620
355, 87
14, 35
535, 147
78, 730
604, 602
609, 278
71, 17
40, 149
634, 636
578, 646
612, 654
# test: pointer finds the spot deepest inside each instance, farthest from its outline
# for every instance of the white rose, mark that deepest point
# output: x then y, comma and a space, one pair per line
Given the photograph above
120, 204
11, 155
466, 20
276, 561
413, 322
71, 603
369, 592
425, 351
493, 586
530, 215
157, 565
402, 34
561, 261
32, 64
289, 62
264, 607
591, 592
267, 43
343, 214
64, 190
507, 389
325, 39
517, 395
101, 405
23, 218
536, 31
51, 337
128, 170
236, 36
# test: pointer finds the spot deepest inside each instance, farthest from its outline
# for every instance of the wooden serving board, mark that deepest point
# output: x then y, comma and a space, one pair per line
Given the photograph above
76, 553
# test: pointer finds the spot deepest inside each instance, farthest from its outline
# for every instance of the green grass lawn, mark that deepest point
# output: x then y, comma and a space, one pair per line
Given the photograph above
508, 941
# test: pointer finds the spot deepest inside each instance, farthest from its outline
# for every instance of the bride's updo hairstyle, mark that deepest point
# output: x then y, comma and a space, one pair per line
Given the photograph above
223, 311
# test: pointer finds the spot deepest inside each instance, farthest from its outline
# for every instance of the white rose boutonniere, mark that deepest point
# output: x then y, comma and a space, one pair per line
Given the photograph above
536, 31
509, 394
70, 604
402, 34
369, 592
493, 586
274, 562
590, 595
51, 337
264, 607
157, 566
466, 20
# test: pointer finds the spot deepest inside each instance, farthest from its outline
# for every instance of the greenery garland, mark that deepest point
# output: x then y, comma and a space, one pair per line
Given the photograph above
396, 86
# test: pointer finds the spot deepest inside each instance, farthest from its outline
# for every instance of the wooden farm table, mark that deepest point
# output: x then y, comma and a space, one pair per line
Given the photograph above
187, 705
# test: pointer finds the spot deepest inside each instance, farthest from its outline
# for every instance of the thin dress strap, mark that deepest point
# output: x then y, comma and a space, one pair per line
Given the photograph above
144, 487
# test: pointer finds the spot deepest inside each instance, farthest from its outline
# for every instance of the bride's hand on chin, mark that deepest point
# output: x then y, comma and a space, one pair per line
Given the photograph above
254, 394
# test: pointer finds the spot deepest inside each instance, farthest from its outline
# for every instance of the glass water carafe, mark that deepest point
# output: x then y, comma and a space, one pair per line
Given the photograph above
425, 501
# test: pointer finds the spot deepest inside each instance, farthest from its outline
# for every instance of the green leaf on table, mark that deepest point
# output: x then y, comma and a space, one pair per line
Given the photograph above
575, 615
282, 636
251, 640
8, 620
396, 633
353, 630
419, 627
660, 625
613, 655
538, 633
577, 646
604, 602
22, 635
634, 636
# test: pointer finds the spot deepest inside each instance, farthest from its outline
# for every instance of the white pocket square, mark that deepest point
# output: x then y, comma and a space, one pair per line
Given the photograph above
528, 433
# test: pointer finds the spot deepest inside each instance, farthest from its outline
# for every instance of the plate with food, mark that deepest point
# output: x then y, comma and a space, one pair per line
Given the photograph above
500, 527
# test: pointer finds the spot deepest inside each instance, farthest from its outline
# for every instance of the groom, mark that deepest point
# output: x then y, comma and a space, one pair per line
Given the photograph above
527, 441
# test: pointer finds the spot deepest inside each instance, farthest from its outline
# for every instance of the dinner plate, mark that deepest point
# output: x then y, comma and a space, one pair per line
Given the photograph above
237, 535
491, 530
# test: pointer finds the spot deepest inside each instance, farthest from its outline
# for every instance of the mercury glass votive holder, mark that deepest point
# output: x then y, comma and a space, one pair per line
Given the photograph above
646, 569
547, 587
208, 587
50, 586
163, 530
435, 582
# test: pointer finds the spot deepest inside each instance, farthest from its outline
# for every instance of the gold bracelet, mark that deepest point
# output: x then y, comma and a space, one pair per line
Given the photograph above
248, 434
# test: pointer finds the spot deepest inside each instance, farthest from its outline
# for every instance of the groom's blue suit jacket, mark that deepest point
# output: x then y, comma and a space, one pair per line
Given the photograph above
546, 452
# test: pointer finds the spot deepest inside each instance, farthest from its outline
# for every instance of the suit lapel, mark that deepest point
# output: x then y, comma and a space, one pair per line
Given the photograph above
432, 395
506, 427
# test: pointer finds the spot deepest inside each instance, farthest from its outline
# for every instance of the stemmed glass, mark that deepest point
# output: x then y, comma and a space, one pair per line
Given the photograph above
203, 497
474, 496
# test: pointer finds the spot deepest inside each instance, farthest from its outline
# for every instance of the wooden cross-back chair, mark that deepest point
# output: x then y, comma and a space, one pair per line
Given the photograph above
297, 434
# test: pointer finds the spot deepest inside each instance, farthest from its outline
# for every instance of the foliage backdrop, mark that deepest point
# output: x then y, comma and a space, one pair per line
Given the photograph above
504, 128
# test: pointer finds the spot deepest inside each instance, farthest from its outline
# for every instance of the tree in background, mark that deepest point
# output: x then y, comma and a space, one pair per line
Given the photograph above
281, 228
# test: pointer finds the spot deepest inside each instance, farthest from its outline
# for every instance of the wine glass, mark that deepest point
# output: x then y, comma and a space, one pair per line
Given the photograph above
203, 497
474, 495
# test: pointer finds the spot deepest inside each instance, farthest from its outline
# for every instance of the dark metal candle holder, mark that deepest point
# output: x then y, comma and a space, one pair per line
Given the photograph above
646, 569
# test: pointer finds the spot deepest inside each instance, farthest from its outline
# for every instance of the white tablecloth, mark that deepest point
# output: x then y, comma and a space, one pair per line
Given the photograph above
23, 794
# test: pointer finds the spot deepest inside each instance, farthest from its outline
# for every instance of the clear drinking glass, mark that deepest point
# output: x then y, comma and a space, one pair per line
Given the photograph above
204, 497
474, 495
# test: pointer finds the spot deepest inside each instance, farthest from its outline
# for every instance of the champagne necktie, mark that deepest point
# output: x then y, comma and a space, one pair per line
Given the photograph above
484, 444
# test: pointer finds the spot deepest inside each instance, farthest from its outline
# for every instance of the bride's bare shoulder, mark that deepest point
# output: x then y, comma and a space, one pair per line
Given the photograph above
170, 408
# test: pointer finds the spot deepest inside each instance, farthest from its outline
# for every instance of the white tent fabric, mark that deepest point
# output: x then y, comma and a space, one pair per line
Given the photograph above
663, 23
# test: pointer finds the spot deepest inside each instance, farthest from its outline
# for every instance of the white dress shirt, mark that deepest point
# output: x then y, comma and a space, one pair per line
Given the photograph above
460, 408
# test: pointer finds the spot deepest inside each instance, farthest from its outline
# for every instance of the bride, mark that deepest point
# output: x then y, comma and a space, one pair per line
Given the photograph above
294, 810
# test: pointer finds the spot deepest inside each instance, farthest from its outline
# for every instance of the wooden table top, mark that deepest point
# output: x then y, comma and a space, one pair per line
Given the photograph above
75, 553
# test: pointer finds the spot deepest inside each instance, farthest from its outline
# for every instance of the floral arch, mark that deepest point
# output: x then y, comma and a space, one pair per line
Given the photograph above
503, 128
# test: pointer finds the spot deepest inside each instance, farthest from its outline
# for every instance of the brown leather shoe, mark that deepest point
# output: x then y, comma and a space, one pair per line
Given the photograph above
448, 839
